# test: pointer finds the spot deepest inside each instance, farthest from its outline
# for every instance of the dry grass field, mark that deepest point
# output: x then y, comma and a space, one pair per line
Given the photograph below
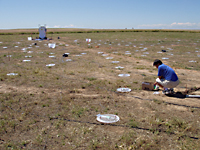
55, 107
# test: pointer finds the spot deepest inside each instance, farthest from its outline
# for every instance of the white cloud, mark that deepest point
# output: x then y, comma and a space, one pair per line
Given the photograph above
183, 24
174, 25
66, 26
56, 26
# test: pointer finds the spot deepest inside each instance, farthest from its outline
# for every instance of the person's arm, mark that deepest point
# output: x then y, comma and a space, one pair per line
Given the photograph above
160, 77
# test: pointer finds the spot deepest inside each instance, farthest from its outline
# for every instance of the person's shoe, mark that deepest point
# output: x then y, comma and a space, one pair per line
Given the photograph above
171, 90
166, 91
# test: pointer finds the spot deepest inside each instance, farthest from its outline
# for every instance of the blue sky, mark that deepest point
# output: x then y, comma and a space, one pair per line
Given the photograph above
100, 14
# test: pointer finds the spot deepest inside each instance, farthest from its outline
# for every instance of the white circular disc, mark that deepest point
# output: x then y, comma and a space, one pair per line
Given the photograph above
68, 60
123, 90
124, 75
114, 62
107, 118
119, 67
50, 65
109, 58
165, 58
12, 74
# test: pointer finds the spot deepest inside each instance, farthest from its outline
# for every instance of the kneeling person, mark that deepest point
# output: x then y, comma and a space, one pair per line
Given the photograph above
167, 78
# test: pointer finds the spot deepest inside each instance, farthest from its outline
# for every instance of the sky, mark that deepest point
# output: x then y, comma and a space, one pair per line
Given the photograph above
100, 14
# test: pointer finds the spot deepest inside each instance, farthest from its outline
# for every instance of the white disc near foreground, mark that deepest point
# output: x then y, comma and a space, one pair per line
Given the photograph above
107, 118
124, 75
123, 90
26, 60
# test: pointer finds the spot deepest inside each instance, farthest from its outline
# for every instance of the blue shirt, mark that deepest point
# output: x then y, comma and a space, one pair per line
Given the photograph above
167, 72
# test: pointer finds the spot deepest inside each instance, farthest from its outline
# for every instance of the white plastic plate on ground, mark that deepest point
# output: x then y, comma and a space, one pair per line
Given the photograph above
26, 60
124, 75
50, 65
100, 52
123, 90
83, 53
107, 118
165, 58
52, 45
114, 62
109, 58
4, 47
52, 56
68, 60
119, 67
12, 74
105, 55
28, 56
192, 61
23, 49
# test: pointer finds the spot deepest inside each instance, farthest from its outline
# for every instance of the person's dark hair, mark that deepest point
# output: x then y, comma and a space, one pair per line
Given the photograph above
156, 62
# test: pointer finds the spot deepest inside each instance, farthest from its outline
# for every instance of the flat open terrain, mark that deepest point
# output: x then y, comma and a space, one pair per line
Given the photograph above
55, 107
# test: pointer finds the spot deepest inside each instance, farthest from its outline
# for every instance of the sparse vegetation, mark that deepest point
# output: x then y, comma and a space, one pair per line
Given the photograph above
55, 107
